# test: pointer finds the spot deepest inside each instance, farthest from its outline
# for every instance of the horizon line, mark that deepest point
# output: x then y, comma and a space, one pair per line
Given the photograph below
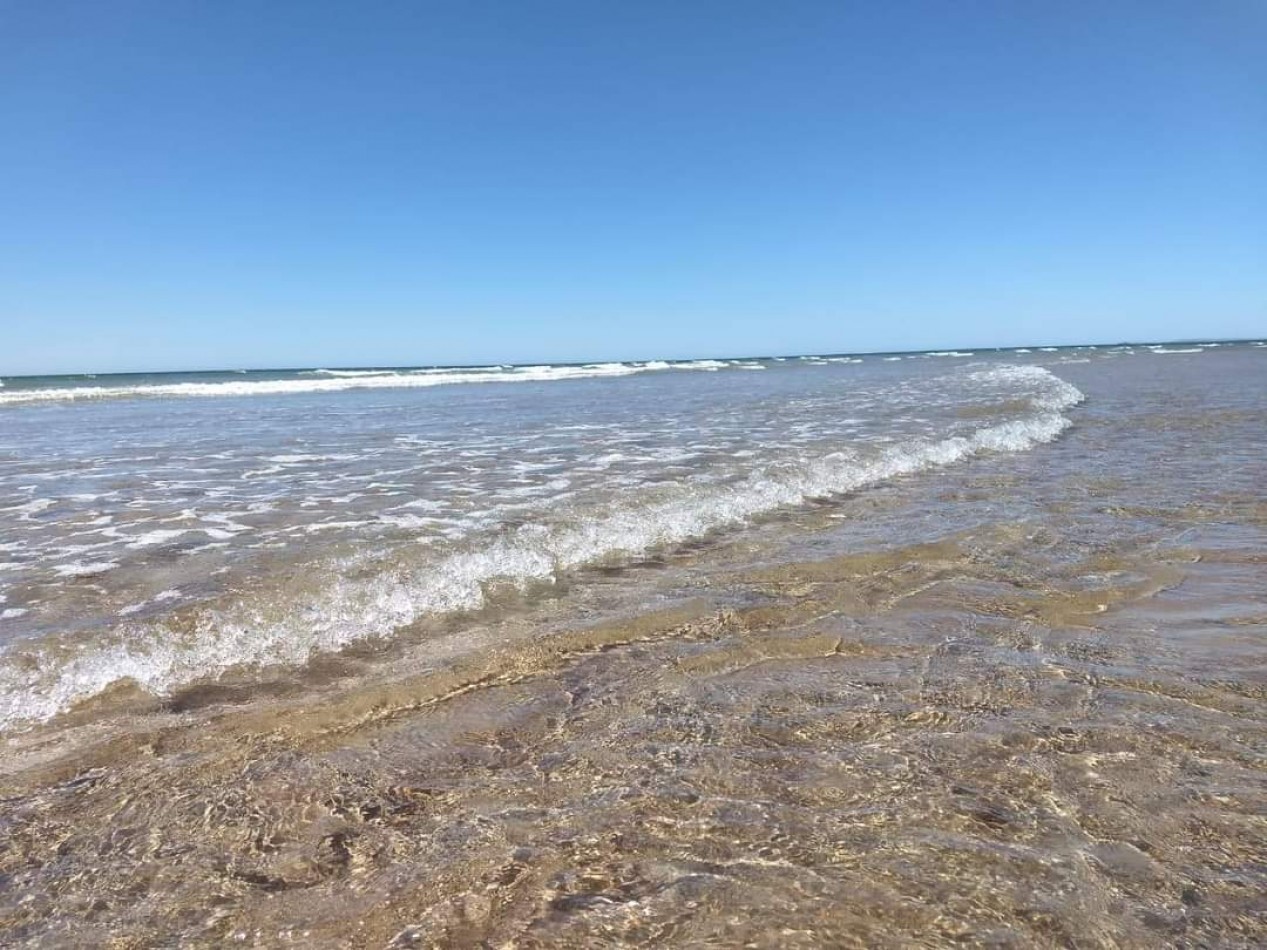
596, 362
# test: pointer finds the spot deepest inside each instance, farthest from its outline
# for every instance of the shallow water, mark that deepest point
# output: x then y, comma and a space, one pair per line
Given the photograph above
949, 657
164, 538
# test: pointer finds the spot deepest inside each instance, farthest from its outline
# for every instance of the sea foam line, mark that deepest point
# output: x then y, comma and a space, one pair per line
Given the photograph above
328, 381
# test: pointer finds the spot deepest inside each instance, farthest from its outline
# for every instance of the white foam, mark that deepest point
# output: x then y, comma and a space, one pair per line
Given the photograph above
1188, 349
362, 380
359, 604
409, 521
351, 373
84, 569
301, 457
1045, 390
157, 536
13, 613
424, 504
332, 525
225, 521
32, 507
699, 364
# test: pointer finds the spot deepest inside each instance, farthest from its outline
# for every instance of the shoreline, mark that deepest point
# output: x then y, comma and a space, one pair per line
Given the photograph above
833, 745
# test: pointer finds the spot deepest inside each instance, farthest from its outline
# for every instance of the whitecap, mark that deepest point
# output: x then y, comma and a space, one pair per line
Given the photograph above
699, 364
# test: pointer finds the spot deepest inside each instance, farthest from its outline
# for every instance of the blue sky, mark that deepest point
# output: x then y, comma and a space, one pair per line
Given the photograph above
232, 184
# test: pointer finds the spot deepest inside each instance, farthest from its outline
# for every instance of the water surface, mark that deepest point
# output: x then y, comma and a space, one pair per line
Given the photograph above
931, 650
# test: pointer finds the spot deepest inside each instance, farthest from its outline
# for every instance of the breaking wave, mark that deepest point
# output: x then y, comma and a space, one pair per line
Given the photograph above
330, 380
342, 606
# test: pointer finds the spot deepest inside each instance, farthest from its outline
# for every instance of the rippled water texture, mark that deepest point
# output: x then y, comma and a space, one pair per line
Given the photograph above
931, 650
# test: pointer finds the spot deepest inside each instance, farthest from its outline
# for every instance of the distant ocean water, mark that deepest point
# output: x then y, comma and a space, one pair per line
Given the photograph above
162, 529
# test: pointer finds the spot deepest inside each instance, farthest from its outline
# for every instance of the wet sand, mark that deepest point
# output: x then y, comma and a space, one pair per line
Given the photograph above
1023, 706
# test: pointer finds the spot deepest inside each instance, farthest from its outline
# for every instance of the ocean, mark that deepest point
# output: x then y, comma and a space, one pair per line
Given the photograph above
869, 645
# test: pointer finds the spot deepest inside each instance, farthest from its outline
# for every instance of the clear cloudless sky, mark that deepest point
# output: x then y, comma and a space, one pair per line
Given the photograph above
234, 183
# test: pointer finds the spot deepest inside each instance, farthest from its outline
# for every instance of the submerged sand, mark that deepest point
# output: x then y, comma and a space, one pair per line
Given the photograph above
844, 762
